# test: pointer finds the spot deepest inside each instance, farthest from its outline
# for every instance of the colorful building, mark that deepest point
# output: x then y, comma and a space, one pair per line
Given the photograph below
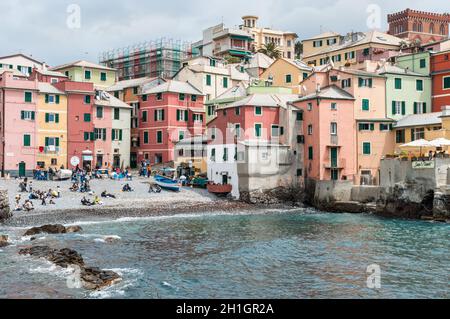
20, 62
329, 138
51, 127
420, 26
169, 113
87, 72
18, 100
287, 73
407, 91
440, 70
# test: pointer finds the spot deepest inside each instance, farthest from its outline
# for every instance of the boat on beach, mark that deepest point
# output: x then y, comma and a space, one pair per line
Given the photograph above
220, 190
167, 183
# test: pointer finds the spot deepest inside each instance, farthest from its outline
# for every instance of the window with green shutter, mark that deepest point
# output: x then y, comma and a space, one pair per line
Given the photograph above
365, 105
419, 85
159, 137
120, 135
99, 112
87, 117
310, 153
57, 99
116, 113
145, 137
299, 116
56, 118
398, 83
144, 116
86, 136
366, 148
194, 98
423, 63
225, 82
446, 82
305, 76
27, 140
103, 76
258, 110
400, 136
159, 96
144, 98
288, 78
208, 80
258, 128
87, 99
28, 97
87, 75
181, 97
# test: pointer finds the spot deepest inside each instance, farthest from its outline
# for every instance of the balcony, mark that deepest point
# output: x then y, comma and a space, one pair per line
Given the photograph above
52, 149
339, 164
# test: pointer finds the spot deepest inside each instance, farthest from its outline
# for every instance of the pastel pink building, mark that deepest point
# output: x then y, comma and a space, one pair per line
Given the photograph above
330, 139
169, 113
18, 99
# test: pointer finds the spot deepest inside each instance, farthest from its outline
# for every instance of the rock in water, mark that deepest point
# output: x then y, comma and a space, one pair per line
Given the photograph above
92, 278
73, 229
52, 229
96, 279
3, 241
5, 210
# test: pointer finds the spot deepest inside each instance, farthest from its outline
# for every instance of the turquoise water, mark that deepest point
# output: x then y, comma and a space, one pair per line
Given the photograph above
272, 255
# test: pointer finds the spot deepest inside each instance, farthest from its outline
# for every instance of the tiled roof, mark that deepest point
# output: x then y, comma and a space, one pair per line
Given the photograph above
82, 63
394, 69
51, 73
174, 87
121, 85
268, 100
328, 34
45, 87
106, 99
331, 92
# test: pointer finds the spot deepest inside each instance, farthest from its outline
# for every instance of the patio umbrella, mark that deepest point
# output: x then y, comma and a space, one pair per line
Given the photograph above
418, 144
440, 142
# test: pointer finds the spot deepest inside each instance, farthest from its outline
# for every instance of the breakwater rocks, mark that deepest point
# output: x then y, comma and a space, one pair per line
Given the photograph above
3, 241
5, 209
291, 195
52, 229
91, 278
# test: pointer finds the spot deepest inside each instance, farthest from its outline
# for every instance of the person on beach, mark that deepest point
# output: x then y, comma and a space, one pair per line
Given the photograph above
104, 194
30, 187
43, 201
23, 187
58, 191
28, 205
86, 202
127, 188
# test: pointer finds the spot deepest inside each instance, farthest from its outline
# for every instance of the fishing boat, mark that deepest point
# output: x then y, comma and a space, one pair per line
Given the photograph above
220, 190
167, 183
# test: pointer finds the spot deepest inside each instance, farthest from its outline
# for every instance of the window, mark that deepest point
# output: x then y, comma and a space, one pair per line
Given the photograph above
213, 133
417, 134
398, 83
419, 85
385, 127
288, 78
159, 115
27, 140
87, 117
159, 96
144, 116
237, 111
198, 118
366, 51
212, 62
87, 99
346, 83
225, 154
423, 63
310, 129
446, 82
181, 97
310, 153
116, 134
100, 134
420, 108
99, 112
365, 82
182, 115
54, 80
333, 128
299, 116
225, 82
333, 106
89, 136
213, 155
194, 98
159, 137
367, 148
211, 110
237, 130
331, 41
258, 110
180, 135
67, 73
208, 80
103, 77
87, 75
27, 115
275, 131
350, 55
258, 129
400, 136
309, 107
146, 137
366, 126
289, 43
51, 118
51, 141
317, 44
336, 58
365, 105
299, 172
144, 98
305, 76
398, 108
28, 97
116, 113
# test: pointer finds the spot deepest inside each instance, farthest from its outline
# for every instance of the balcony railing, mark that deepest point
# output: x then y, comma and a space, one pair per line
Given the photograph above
52, 149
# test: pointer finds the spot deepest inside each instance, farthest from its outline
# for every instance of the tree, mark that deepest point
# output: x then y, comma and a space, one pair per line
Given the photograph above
271, 50
298, 49
232, 59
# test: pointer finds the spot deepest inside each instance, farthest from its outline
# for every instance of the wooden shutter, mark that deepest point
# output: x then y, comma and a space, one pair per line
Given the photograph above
156, 115
424, 107
57, 118
403, 108
57, 99
33, 115
393, 107
186, 114
372, 127
22, 115
178, 115
57, 142
162, 115
120, 135
370, 82
104, 134
113, 134
47, 117
415, 107
46, 141
46, 98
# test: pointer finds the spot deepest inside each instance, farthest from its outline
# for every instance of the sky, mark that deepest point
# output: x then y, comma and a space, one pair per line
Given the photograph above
61, 31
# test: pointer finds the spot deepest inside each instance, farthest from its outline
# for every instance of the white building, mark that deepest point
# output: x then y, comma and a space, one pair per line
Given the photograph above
21, 62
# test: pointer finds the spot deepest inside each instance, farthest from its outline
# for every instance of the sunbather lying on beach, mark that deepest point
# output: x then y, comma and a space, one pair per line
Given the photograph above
107, 195
86, 202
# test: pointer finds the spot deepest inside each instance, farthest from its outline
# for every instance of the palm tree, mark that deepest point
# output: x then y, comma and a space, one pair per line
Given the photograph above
271, 50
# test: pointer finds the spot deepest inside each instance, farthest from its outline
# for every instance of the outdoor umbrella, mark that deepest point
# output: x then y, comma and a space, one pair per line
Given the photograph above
440, 142
418, 144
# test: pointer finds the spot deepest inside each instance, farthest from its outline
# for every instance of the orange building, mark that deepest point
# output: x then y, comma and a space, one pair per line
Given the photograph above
440, 71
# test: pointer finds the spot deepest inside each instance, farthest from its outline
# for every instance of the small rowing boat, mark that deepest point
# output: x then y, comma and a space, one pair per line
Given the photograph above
167, 183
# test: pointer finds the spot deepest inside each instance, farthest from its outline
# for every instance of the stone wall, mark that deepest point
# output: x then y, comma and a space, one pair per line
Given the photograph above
369, 194
5, 211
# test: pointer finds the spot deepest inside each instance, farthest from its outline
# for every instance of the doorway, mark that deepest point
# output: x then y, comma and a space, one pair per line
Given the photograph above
22, 169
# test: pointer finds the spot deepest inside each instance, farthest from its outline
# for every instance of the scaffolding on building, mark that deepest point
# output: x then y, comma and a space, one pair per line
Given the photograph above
159, 58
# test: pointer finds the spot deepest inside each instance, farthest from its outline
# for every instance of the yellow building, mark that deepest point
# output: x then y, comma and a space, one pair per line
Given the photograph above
190, 155
51, 127
284, 40
287, 73
428, 126
351, 49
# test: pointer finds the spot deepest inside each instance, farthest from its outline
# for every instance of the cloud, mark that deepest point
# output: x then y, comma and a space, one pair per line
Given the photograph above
39, 28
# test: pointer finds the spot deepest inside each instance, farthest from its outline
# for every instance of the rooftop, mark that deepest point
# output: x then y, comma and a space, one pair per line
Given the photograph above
174, 87
45, 87
267, 100
82, 63
121, 85
420, 120
331, 92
